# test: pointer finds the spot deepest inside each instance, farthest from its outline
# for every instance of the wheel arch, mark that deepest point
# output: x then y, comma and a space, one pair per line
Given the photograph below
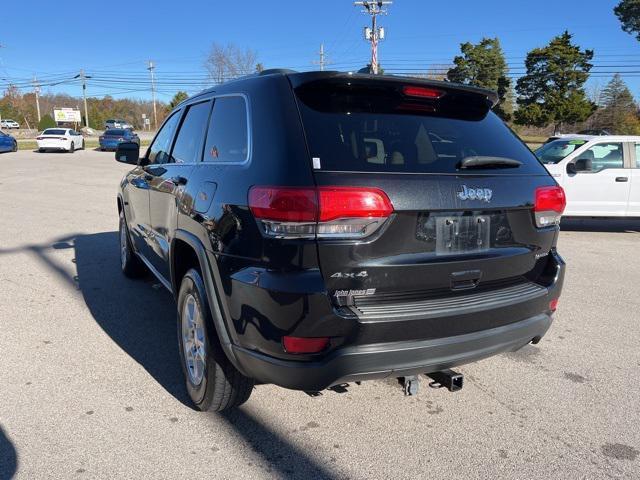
185, 243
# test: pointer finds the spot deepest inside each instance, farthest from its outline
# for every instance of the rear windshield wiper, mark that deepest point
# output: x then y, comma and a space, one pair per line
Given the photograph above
482, 162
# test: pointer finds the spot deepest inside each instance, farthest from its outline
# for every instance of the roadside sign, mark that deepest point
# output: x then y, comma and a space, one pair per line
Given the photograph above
67, 115
147, 121
144, 115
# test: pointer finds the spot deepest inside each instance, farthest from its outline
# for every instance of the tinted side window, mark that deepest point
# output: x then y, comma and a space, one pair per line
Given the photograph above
159, 149
228, 137
605, 155
187, 148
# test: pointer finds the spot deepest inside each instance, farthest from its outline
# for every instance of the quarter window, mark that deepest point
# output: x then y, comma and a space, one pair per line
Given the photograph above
188, 146
228, 138
159, 149
604, 155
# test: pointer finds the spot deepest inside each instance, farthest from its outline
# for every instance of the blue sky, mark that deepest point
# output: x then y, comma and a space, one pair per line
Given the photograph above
113, 40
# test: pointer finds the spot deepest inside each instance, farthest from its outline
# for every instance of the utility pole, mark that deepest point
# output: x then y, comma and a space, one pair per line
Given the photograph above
36, 90
151, 69
83, 78
374, 33
322, 61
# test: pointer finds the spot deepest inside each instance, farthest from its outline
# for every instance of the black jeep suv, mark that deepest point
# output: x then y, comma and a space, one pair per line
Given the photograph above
322, 228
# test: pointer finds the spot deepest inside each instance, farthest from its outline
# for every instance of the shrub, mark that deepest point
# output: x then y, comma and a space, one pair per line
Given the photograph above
46, 122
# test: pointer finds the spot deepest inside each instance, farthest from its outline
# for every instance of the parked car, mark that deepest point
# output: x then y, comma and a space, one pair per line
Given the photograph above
65, 139
600, 175
115, 136
110, 124
8, 143
9, 124
301, 255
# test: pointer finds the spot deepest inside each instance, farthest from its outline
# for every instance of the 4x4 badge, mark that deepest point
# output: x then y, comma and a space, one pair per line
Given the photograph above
475, 193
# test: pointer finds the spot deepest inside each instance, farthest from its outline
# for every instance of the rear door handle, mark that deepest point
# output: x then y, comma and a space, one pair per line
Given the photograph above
622, 179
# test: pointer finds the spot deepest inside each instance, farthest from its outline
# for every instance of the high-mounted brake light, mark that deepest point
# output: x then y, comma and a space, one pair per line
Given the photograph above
304, 345
423, 92
549, 204
323, 212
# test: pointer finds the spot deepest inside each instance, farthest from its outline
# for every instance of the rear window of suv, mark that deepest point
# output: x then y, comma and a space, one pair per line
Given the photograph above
375, 128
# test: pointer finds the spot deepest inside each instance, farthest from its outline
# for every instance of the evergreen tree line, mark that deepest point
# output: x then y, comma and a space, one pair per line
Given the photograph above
552, 91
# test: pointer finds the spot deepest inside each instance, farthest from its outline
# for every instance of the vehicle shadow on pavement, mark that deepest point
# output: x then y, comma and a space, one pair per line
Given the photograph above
614, 225
138, 315
8, 457
285, 459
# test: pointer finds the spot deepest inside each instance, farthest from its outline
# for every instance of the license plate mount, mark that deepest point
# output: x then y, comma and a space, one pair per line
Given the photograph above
462, 234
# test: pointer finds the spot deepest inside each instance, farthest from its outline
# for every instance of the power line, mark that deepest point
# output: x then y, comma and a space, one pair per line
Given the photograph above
375, 33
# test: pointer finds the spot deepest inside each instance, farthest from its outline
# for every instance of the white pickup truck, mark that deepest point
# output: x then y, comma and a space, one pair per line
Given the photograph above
600, 174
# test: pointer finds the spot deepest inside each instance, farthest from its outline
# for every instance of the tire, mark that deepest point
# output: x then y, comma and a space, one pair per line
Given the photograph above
82, 145
213, 383
72, 148
41, 150
130, 264
15, 147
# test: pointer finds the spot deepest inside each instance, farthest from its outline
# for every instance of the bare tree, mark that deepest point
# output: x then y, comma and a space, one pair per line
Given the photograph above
226, 62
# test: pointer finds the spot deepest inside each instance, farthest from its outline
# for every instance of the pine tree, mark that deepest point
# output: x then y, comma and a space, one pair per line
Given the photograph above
552, 91
484, 65
619, 109
628, 11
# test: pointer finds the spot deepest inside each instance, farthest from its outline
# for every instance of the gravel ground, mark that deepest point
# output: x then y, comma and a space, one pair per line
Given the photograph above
90, 384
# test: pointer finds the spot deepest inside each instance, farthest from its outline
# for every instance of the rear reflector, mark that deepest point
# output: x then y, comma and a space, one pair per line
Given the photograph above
553, 304
304, 345
549, 204
423, 92
325, 212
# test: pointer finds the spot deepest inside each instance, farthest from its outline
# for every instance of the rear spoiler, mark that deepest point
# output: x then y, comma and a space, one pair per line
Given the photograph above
299, 79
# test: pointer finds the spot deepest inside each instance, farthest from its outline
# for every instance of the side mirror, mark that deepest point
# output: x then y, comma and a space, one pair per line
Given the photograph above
571, 168
128, 152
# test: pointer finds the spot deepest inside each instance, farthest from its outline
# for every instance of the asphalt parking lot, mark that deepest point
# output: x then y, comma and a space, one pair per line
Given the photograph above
91, 387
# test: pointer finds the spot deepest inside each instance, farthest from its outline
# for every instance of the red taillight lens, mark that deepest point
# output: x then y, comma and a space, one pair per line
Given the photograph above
63, 138
347, 202
550, 199
553, 304
548, 206
284, 204
423, 92
325, 212
304, 345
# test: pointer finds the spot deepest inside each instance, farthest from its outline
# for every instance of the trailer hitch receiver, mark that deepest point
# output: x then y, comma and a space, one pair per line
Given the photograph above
448, 379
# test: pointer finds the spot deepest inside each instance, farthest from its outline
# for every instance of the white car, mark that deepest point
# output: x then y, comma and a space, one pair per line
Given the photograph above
8, 123
110, 124
600, 175
65, 139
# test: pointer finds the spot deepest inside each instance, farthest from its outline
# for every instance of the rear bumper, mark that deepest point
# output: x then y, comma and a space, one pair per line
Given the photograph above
394, 359
371, 345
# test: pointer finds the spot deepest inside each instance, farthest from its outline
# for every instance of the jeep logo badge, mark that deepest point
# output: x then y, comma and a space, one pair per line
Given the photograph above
475, 193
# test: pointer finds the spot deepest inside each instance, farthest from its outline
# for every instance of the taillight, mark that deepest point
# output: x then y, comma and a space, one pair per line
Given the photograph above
39, 138
323, 212
553, 304
63, 138
423, 92
549, 205
304, 345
